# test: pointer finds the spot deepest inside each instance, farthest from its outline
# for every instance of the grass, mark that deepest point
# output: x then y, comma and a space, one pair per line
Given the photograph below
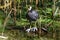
18, 35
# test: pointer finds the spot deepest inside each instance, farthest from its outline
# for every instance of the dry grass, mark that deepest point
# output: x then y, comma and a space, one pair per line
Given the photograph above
18, 35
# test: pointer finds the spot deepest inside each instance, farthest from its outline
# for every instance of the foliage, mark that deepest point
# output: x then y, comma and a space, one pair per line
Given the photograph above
45, 11
22, 22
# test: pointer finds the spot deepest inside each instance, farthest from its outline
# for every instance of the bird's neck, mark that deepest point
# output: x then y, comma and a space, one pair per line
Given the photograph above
30, 10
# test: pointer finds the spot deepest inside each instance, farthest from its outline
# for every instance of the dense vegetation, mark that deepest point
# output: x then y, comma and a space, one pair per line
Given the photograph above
48, 18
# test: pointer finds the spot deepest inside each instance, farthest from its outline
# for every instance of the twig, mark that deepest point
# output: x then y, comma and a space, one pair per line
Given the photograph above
49, 23
56, 11
6, 22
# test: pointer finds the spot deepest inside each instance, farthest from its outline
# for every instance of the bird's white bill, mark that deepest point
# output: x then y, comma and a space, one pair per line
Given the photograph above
30, 8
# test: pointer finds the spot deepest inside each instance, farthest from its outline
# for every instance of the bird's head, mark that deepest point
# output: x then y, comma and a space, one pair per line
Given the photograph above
30, 8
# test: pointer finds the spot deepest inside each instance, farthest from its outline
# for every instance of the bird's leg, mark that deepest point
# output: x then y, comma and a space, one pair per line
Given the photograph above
35, 26
35, 23
30, 25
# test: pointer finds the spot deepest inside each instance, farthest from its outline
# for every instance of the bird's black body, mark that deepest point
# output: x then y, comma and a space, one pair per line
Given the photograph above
32, 15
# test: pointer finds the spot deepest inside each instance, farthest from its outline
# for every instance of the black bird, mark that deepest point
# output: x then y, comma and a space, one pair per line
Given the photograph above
32, 15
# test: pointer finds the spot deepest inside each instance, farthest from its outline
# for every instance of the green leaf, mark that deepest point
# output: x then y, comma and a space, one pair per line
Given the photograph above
48, 10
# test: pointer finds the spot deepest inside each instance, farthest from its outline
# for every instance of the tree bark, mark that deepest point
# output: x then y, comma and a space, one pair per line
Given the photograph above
36, 2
